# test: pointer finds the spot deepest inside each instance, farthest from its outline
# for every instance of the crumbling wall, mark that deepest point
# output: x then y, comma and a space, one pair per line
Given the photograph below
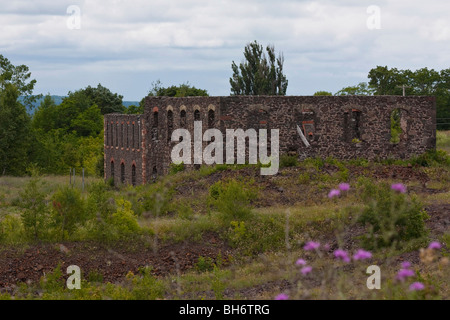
343, 127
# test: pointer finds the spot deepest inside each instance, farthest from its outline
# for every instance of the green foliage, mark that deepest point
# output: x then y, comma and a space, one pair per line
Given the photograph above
157, 199
391, 216
232, 199
288, 161
145, 286
124, 221
11, 229
175, 168
107, 101
396, 130
14, 131
322, 93
204, 264
68, 210
183, 90
432, 158
362, 89
259, 75
19, 77
36, 215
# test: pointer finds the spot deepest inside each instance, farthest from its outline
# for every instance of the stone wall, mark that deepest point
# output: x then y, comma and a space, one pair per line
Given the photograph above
124, 148
343, 127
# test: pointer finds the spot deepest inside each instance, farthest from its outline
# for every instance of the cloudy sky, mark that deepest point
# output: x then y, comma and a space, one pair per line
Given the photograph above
127, 45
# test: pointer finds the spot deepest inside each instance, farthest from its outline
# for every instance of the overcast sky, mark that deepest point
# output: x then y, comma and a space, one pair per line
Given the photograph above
127, 45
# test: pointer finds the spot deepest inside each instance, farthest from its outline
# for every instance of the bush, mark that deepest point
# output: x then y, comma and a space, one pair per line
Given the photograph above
232, 199
288, 161
35, 216
175, 168
432, 157
124, 221
391, 216
69, 210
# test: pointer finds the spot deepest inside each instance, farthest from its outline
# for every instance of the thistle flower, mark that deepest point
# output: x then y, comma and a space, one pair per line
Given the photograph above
404, 273
342, 255
282, 296
362, 255
399, 187
311, 245
416, 286
344, 186
406, 264
334, 193
306, 270
435, 245
300, 262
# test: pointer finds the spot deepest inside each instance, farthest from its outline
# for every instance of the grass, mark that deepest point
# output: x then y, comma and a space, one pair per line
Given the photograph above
266, 241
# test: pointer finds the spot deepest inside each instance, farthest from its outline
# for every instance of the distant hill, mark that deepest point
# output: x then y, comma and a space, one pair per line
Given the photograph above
59, 99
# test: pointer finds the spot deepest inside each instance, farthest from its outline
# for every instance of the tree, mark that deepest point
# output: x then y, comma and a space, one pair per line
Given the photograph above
107, 101
14, 132
362, 89
157, 90
259, 74
19, 76
322, 93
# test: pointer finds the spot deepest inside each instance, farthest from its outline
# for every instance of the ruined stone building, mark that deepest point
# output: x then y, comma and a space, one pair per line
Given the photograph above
138, 147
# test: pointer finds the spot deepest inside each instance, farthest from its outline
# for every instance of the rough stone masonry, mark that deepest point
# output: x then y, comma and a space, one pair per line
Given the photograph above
138, 147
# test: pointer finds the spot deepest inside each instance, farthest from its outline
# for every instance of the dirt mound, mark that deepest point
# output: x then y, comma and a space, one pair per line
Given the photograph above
111, 262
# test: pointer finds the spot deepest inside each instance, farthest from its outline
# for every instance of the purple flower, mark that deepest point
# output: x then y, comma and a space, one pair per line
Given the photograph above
300, 262
342, 255
362, 255
311, 245
399, 187
344, 186
406, 265
435, 245
404, 273
334, 193
282, 296
416, 286
306, 270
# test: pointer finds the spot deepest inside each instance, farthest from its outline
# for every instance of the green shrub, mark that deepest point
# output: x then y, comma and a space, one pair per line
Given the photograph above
288, 161
36, 214
432, 157
232, 199
69, 210
175, 168
11, 230
204, 264
391, 216
157, 199
124, 221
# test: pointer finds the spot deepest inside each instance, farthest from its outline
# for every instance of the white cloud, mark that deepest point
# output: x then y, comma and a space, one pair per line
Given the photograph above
326, 44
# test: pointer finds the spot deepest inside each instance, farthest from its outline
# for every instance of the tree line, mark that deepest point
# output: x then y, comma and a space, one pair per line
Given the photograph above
56, 137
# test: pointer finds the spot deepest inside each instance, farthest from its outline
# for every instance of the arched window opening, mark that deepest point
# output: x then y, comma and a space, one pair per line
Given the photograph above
121, 135
122, 173
211, 118
154, 173
398, 125
155, 126
112, 172
133, 140
169, 124
183, 119
133, 175
197, 115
